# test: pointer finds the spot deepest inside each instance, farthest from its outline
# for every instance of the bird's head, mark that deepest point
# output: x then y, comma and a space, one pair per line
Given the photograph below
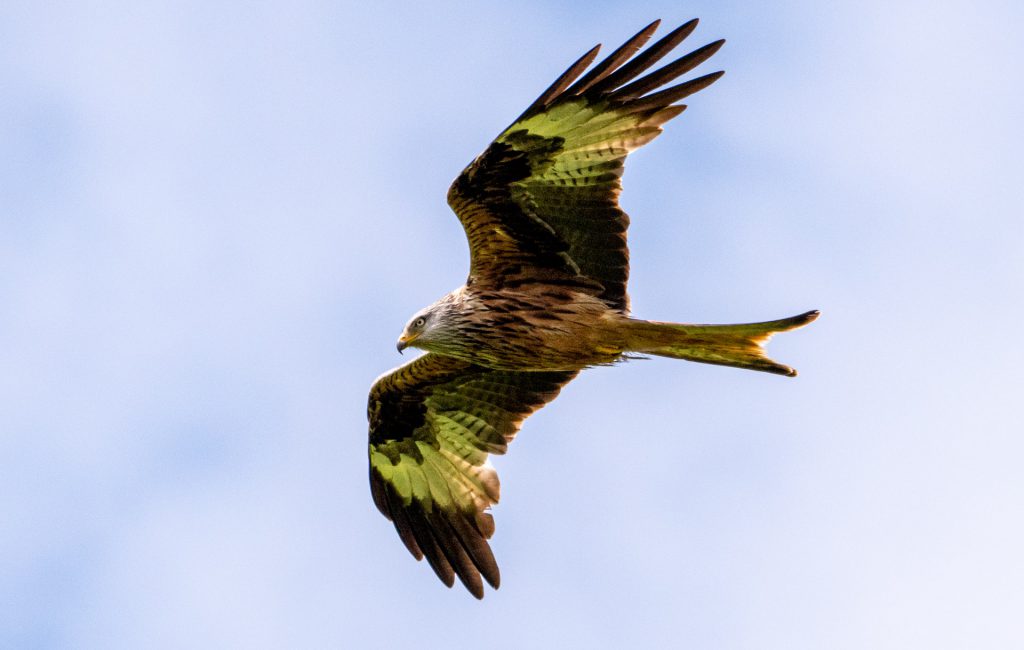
434, 328
417, 333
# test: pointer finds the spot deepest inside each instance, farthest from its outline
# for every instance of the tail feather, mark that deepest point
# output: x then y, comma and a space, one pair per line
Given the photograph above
740, 346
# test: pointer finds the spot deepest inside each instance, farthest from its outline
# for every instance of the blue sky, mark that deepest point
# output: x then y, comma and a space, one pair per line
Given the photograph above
215, 219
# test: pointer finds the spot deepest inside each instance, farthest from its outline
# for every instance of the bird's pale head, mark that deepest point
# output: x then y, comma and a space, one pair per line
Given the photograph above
427, 329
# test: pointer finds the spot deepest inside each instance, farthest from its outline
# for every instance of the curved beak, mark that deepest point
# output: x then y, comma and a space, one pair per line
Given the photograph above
403, 342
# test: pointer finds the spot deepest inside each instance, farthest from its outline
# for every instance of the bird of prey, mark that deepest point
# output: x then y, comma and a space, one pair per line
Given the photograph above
545, 298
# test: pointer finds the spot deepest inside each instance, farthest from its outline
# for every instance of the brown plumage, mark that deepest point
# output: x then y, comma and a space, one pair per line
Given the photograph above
545, 297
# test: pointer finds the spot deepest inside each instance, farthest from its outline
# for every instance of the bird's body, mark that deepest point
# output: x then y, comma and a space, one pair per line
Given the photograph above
557, 328
564, 328
545, 298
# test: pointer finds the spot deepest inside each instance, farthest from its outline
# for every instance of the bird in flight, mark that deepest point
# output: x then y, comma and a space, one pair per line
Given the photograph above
545, 298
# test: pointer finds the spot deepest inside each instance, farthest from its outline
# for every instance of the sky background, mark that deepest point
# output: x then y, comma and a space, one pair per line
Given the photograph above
216, 218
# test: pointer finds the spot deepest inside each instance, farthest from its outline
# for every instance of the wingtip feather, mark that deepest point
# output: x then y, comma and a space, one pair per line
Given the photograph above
563, 81
664, 75
638, 64
622, 54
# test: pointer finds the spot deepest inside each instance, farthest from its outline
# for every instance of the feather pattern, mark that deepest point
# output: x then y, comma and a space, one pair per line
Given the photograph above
541, 202
433, 423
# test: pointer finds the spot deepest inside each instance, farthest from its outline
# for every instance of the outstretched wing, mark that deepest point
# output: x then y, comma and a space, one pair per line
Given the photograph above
433, 422
541, 203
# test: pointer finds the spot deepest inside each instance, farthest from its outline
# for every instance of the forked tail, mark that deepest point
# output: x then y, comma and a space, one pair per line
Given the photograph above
727, 345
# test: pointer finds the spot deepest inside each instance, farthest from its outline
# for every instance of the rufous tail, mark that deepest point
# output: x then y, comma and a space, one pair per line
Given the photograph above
741, 346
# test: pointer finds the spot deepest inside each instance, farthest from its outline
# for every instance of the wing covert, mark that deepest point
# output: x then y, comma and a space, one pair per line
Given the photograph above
540, 204
433, 423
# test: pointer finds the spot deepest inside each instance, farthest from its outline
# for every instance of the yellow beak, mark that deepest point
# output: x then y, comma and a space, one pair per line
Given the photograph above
404, 341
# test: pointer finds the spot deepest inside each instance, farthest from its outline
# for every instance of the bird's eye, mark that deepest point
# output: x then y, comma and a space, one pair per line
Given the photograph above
420, 322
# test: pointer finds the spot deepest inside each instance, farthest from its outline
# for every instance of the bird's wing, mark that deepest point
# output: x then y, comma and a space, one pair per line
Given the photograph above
433, 422
541, 203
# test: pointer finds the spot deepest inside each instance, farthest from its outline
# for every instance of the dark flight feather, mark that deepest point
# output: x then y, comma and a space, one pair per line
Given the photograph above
666, 74
613, 60
650, 56
560, 84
